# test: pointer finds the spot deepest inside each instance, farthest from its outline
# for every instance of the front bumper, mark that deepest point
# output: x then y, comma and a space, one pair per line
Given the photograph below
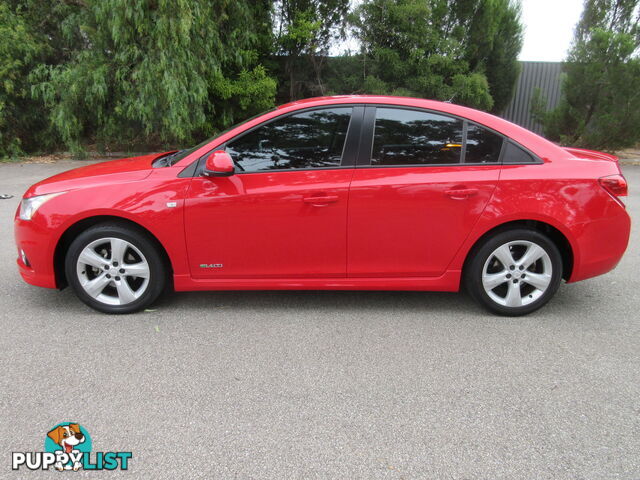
36, 241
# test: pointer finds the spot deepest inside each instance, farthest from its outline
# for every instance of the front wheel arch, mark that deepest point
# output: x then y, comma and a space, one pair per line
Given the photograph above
555, 235
64, 242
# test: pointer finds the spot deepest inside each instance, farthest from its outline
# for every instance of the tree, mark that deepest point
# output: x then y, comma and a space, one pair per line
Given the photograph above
31, 34
601, 88
148, 73
442, 49
156, 71
304, 30
491, 33
18, 50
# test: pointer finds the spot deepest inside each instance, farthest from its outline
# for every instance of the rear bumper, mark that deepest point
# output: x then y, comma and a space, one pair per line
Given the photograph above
600, 245
36, 242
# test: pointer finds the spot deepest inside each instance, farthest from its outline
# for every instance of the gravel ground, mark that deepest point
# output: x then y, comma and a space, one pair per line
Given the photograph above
278, 385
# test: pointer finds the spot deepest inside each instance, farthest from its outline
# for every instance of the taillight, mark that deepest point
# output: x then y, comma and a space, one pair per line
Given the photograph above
616, 185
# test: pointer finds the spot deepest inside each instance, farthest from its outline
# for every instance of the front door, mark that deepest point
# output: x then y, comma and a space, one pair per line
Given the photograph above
284, 213
427, 179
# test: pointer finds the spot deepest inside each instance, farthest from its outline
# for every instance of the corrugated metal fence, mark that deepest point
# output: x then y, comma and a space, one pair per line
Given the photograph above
543, 75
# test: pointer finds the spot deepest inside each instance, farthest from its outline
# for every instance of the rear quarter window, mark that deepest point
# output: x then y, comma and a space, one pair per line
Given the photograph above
514, 154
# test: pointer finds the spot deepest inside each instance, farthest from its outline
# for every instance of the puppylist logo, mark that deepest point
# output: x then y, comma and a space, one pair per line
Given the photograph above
67, 446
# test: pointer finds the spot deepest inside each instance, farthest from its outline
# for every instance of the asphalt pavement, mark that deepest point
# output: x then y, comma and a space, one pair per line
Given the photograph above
339, 385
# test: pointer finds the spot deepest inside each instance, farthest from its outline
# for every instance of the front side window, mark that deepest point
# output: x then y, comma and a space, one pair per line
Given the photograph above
311, 139
411, 137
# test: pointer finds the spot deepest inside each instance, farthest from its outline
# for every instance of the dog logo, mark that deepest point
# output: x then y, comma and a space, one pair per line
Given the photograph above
68, 437
67, 446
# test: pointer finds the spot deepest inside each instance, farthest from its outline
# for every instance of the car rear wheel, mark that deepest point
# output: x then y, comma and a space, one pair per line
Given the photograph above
115, 269
514, 272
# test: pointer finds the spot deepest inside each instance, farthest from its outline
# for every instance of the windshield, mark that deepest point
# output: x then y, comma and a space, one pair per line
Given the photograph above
174, 158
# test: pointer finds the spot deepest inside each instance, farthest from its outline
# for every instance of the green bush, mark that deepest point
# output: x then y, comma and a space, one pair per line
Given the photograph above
601, 106
148, 74
156, 72
19, 53
462, 51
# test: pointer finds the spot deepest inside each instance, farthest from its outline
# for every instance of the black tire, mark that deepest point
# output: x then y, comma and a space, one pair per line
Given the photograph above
157, 272
480, 255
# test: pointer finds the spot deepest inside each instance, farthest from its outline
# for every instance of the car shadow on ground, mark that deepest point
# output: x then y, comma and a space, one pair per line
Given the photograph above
306, 301
320, 301
574, 297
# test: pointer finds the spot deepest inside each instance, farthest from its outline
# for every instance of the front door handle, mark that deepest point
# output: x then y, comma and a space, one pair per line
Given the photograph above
321, 201
461, 193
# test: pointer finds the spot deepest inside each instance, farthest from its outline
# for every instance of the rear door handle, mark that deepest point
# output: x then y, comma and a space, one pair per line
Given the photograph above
320, 201
461, 193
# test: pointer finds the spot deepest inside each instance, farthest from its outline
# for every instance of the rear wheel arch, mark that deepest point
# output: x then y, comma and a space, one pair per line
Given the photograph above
555, 235
64, 242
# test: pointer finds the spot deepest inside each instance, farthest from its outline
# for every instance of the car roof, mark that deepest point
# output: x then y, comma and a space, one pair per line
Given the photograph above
327, 100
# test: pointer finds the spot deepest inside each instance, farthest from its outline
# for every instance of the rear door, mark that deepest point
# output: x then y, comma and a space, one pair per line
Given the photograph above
422, 180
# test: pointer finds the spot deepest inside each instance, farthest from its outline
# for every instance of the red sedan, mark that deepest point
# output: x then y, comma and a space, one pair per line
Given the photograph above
335, 193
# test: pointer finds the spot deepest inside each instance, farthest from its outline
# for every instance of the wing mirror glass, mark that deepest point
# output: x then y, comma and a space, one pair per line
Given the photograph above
218, 164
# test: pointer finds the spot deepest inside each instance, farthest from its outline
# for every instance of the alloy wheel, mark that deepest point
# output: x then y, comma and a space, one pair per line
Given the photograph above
517, 273
113, 271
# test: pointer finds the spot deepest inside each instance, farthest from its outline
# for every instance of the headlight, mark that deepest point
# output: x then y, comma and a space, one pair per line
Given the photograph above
30, 205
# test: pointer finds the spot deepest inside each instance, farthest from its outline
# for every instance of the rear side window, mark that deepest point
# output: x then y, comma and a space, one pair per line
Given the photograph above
410, 137
483, 146
311, 139
514, 154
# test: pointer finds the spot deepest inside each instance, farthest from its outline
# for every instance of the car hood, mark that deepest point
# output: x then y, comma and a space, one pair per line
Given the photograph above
113, 171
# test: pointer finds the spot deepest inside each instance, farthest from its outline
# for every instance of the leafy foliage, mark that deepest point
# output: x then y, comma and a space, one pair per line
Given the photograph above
121, 74
164, 70
32, 33
304, 30
19, 50
601, 103
493, 41
443, 49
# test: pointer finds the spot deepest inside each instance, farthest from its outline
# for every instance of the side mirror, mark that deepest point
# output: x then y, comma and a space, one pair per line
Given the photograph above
218, 164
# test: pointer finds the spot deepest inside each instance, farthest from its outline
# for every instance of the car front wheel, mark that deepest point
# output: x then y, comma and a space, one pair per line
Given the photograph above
514, 272
115, 269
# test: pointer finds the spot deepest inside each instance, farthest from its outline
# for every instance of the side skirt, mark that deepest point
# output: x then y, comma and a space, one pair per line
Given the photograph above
448, 282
